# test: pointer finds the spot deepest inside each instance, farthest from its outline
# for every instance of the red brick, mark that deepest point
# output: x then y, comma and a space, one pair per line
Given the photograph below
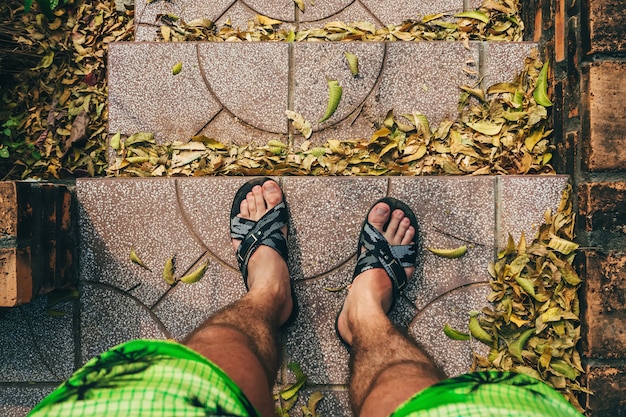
605, 23
603, 89
609, 385
605, 305
603, 207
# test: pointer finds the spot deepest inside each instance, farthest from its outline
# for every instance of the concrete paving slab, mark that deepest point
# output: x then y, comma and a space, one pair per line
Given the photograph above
388, 12
238, 92
187, 306
311, 341
110, 317
35, 346
144, 95
327, 214
502, 61
348, 11
523, 201
249, 80
451, 212
239, 14
315, 63
227, 128
425, 77
18, 401
454, 357
116, 216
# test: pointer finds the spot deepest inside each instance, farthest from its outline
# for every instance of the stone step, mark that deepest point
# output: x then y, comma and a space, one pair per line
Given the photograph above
238, 92
188, 217
316, 13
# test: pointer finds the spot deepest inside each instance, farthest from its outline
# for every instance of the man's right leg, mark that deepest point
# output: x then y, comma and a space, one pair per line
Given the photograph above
387, 368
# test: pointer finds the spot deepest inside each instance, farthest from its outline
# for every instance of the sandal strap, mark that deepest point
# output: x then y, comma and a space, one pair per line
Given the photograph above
265, 232
380, 254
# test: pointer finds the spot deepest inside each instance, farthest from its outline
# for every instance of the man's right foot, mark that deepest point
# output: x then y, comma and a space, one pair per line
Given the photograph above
371, 292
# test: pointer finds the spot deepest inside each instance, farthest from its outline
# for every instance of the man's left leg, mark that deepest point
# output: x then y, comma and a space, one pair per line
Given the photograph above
243, 338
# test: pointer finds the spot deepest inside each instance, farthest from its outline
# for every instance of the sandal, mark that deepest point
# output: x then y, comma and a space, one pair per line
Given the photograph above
378, 253
266, 231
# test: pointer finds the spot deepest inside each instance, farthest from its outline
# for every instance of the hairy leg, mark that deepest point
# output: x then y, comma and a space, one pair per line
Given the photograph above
387, 368
243, 338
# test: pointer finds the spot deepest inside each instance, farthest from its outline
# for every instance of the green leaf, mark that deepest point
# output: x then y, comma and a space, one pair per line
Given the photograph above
516, 347
454, 334
177, 68
4, 152
527, 285
334, 97
474, 14
541, 89
27, 4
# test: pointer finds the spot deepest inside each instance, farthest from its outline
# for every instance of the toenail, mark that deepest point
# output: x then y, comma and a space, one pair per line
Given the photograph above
381, 210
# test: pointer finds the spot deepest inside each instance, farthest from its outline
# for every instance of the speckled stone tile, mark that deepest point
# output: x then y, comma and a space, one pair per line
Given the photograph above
227, 128
388, 12
250, 80
206, 204
18, 401
315, 63
523, 201
311, 341
324, 208
36, 346
454, 357
144, 95
450, 211
315, 15
425, 77
504, 60
187, 306
110, 317
116, 215
276, 9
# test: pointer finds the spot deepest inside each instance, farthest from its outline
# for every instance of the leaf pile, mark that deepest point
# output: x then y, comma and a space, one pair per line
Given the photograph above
534, 324
57, 111
493, 21
503, 131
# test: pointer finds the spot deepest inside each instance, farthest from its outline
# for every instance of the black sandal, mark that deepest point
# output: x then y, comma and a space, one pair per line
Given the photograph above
265, 231
379, 253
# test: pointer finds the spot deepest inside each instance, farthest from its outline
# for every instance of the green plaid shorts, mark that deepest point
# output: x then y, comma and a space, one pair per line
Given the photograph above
165, 378
488, 394
147, 378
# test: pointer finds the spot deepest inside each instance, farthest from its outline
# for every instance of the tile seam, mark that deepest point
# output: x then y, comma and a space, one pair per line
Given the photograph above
291, 87
497, 195
482, 62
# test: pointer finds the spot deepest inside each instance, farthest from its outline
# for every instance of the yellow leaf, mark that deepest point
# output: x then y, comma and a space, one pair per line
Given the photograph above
485, 128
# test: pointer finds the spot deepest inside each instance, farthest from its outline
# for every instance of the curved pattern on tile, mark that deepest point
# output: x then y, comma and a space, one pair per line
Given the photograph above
280, 10
119, 214
317, 62
255, 90
452, 307
325, 9
103, 308
146, 95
